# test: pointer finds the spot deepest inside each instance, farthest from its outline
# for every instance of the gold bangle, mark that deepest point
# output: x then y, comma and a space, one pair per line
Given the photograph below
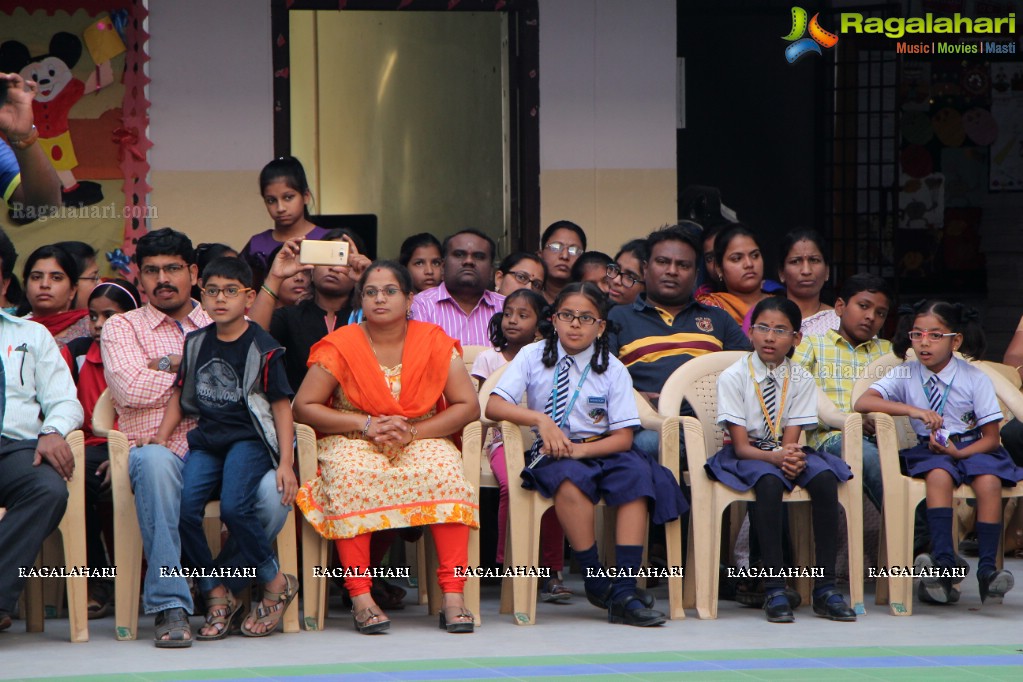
271, 292
23, 143
414, 431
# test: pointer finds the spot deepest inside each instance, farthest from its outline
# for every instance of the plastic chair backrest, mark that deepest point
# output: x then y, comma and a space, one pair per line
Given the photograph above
103, 414
696, 382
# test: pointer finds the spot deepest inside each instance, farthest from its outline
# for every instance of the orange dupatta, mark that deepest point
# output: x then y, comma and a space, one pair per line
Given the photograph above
730, 303
425, 361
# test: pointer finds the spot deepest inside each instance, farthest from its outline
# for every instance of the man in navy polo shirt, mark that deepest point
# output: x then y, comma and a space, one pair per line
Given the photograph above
665, 327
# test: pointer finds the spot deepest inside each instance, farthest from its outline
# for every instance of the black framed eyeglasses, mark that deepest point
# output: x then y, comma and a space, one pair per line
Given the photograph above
628, 280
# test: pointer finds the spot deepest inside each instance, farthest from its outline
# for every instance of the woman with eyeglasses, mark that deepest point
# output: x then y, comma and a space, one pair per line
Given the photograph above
51, 283
385, 457
560, 245
520, 270
625, 275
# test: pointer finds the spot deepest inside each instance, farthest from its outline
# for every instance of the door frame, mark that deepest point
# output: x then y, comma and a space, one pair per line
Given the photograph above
523, 87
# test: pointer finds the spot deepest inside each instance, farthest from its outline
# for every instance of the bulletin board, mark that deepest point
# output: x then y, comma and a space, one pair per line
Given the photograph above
92, 119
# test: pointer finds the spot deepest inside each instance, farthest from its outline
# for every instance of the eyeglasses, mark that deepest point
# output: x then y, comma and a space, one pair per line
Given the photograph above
388, 292
228, 291
558, 247
628, 281
777, 331
931, 336
154, 270
585, 319
523, 277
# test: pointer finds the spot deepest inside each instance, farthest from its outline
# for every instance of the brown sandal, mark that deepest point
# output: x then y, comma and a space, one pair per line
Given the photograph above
371, 622
227, 607
271, 615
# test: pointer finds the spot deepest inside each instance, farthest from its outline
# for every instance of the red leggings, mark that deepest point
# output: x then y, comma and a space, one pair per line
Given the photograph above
451, 540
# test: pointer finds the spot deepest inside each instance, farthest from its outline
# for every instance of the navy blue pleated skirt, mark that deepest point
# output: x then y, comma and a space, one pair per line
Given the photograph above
918, 461
617, 479
743, 474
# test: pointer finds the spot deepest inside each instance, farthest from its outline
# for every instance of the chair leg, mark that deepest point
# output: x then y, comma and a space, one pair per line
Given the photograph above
53, 596
525, 552
313, 588
72, 532
800, 530
852, 501
706, 546
689, 584
422, 572
506, 583
128, 559
472, 584
899, 521
673, 542
288, 556
881, 585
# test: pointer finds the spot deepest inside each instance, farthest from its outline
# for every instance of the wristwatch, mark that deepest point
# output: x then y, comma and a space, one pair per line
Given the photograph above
50, 431
165, 364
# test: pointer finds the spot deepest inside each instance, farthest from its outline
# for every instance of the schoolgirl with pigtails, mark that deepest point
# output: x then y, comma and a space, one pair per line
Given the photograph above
581, 405
954, 412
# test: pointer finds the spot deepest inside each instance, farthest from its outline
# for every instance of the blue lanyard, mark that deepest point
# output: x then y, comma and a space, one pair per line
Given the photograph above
944, 397
575, 396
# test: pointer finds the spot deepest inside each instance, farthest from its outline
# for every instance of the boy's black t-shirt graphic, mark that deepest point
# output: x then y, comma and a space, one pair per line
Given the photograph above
224, 418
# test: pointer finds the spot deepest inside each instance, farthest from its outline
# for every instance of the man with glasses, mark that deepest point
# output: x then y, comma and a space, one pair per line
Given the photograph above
141, 354
665, 326
462, 305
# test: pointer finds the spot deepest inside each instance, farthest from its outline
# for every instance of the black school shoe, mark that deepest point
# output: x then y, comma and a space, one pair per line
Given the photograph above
924, 596
832, 605
603, 601
939, 588
644, 617
779, 610
994, 585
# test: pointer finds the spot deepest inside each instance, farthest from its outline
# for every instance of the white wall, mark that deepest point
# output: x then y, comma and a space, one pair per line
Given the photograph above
607, 116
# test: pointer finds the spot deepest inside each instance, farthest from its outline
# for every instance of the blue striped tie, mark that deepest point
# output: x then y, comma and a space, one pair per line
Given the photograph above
555, 412
934, 394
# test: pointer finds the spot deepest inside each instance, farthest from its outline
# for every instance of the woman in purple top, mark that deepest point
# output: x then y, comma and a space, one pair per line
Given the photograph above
285, 190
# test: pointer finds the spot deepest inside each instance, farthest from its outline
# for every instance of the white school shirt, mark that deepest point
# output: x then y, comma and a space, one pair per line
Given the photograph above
487, 362
738, 403
605, 401
971, 401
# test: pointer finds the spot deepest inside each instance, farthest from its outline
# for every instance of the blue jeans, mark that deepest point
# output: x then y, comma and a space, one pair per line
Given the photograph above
872, 485
236, 474
155, 475
650, 442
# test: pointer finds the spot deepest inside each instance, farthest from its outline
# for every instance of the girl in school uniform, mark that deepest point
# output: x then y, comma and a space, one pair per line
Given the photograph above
511, 330
764, 402
580, 401
955, 414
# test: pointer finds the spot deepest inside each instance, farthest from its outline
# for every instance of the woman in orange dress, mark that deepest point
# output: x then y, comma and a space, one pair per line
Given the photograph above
739, 267
372, 393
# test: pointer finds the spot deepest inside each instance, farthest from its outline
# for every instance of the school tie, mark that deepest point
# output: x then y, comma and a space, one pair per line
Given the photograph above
934, 395
556, 411
770, 391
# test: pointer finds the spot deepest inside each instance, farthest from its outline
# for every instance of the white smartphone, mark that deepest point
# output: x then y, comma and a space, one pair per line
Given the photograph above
314, 252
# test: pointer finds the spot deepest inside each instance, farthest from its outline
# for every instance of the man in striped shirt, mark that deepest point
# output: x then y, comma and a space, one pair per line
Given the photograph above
463, 304
141, 353
37, 409
665, 327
